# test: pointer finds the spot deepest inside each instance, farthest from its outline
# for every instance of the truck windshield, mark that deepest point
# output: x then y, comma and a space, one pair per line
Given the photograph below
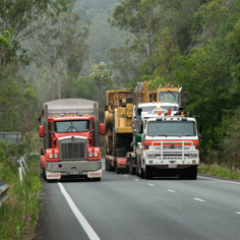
71, 126
171, 128
169, 97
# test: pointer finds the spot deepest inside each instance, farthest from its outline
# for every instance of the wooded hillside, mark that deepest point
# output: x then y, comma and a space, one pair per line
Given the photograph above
63, 49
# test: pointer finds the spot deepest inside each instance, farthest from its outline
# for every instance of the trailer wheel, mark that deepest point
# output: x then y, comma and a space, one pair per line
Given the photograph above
106, 165
148, 173
132, 170
117, 170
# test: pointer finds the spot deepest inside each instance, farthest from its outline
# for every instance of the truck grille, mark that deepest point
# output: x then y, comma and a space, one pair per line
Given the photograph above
73, 148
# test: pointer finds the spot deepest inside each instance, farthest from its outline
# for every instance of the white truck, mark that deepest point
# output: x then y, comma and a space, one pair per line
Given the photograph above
169, 146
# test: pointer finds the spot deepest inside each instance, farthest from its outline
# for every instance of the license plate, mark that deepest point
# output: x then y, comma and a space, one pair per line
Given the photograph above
73, 172
51, 175
172, 165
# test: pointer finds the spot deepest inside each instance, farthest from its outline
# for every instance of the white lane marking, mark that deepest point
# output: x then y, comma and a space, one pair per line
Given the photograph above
199, 199
151, 184
219, 180
238, 213
82, 220
125, 175
170, 190
136, 179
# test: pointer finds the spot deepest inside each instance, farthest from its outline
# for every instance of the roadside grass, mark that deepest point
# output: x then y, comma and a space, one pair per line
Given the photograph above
223, 170
19, 214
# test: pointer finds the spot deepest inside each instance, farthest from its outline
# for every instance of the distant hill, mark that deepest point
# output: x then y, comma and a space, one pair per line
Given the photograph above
102, 37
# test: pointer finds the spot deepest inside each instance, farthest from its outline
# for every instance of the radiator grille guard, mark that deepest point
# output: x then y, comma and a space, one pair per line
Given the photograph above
72, 148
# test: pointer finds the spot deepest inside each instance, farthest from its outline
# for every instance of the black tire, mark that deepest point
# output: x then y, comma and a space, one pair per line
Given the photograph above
44, 174
132, 170
137, 172
192, 173
106, 165
148, 173
141, 173
96, 179
182, 174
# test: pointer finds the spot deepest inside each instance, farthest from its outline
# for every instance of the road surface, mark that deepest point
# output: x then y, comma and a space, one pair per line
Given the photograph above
123, 207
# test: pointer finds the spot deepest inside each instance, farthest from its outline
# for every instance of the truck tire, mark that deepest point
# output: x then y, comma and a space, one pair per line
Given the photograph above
192, 173
106, 165
141, 173
117, 170
132, 170
148, 173
137, 173
44, 174
96, 179
182, 174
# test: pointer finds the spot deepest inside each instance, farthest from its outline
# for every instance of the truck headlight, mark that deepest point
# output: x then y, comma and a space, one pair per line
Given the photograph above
90, 154
55, 155
50, 155
95, 154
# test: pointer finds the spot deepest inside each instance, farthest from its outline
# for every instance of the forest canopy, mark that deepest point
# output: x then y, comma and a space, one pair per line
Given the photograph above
61, 49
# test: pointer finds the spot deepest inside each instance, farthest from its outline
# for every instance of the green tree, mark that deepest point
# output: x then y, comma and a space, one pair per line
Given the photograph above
103, 79
61, 49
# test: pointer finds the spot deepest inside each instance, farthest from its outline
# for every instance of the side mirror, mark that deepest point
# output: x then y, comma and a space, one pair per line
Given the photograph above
102, 128
41, 131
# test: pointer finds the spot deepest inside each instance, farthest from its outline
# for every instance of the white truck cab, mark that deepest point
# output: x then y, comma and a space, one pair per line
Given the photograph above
169, 146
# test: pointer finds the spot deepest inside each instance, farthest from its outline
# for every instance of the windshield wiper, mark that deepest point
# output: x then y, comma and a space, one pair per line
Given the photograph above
68, 129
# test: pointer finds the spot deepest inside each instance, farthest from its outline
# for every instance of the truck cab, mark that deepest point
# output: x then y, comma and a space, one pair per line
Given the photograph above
169, 146
70, 146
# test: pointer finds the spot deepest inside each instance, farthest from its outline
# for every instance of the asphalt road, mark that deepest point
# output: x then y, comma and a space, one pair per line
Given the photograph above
123, 207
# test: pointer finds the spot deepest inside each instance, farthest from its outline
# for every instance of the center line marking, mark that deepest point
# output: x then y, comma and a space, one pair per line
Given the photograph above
238, 213
199, 199
170, 190
125, 175
151, 184
82, 220
136, 179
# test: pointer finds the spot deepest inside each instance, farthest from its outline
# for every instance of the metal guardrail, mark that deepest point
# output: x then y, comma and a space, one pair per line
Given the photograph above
3, 193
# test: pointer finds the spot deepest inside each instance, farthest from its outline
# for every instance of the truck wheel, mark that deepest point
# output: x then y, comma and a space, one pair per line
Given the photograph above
148, 173
96, 179
142, 173
192, 173
132, 170
106, 165
137, 171
44, 174
182, 174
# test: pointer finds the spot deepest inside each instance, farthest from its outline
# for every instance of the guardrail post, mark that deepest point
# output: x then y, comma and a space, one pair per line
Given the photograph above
20, 175
22, 167
23, 160
3, 194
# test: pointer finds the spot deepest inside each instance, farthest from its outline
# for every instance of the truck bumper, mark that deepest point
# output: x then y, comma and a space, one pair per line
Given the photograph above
56, 170
172, 166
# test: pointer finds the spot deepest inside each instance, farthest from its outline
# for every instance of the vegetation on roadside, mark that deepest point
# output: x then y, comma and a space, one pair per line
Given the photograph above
19, 214
219, 171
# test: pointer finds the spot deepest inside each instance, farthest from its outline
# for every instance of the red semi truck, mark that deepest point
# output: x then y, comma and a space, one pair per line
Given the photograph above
70, 139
